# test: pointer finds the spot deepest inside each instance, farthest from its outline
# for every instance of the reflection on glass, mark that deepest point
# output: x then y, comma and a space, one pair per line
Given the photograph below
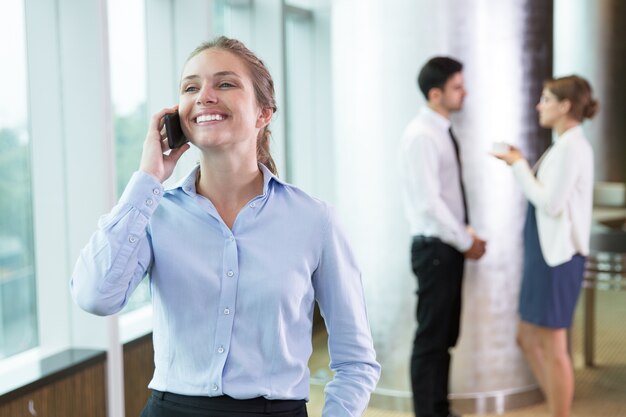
127, 51
18, 306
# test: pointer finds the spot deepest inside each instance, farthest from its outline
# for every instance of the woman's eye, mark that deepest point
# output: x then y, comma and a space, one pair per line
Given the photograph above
226, 84
190, 88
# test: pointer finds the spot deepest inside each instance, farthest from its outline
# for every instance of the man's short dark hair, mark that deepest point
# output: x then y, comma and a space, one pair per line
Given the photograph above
436, 72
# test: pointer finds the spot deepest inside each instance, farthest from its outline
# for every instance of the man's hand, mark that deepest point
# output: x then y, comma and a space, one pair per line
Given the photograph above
477, 250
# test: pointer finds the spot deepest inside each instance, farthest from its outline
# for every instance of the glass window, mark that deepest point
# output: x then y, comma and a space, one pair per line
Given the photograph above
299, 90
18, 306
127, 51
233, 18
219, 13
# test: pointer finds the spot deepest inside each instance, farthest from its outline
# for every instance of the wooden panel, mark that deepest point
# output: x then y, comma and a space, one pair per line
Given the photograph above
138, 370
81, 395
77, 395
39, 401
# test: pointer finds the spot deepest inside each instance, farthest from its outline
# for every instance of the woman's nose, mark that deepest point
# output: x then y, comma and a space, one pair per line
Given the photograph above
207, 96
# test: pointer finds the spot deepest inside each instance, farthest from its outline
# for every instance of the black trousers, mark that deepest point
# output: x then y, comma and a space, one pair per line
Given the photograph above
165, 404
439, 271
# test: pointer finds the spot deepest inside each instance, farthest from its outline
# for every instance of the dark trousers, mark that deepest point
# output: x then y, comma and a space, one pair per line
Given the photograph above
439, 271
165, 404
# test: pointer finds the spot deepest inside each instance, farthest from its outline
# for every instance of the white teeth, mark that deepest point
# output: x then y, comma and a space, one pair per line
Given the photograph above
209, 117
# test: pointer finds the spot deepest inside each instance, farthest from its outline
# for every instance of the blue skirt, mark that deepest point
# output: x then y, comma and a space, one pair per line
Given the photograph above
548, 295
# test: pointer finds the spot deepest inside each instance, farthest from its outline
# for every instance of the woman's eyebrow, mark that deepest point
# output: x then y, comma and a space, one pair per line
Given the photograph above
223, 73
217, 74
189, 77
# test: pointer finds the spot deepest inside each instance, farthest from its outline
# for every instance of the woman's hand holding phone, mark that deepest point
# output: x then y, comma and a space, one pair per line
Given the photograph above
154, 161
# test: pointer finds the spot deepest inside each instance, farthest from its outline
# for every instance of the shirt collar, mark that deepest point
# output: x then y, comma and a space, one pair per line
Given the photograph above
436, 118
558, 141
574, 131
188, 183
267, 177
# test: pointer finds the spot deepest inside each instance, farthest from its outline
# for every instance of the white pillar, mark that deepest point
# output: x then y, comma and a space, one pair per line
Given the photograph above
377, 50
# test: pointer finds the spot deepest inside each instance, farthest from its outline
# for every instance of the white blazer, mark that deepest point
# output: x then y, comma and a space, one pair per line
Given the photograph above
562, 194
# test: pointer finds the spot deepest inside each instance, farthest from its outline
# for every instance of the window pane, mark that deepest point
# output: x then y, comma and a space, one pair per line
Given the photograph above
127, 51
219, 12
230, 17
18, 307
299, 90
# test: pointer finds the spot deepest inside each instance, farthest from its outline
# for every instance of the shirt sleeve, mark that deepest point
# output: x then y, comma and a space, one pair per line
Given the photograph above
339, 293
424, 187
119, 253
549, 196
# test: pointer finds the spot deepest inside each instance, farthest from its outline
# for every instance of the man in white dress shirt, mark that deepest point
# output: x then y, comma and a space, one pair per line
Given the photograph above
436, 208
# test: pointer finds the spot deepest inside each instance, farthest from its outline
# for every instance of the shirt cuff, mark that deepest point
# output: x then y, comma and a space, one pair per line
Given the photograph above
465, 243
143, 192
520, 165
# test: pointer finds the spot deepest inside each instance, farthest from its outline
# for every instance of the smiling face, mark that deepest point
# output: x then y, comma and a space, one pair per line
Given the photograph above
217, 103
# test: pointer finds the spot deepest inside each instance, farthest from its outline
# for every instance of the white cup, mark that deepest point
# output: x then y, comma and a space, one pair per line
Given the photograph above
499, 147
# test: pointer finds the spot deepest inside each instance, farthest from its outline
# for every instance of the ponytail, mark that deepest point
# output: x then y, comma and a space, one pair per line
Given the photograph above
263, 154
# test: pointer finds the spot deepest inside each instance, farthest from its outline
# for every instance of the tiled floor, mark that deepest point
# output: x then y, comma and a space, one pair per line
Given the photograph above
600, 391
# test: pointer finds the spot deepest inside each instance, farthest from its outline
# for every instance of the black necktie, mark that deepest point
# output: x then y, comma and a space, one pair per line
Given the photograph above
458, 160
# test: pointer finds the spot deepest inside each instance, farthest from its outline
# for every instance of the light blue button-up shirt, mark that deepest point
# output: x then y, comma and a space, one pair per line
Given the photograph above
233, 309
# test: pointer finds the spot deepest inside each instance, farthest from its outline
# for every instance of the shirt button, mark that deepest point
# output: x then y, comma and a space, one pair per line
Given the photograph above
230, 273
214, 387
149, 202
226, 311
220, 349
253, 205
156, 191
231, 238
132, 239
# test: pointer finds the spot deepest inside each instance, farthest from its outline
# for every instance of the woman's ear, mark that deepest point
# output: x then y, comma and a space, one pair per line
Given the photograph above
264, 118
565, 106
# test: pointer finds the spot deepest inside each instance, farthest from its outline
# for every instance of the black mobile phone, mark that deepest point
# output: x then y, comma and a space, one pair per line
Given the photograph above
175, 136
